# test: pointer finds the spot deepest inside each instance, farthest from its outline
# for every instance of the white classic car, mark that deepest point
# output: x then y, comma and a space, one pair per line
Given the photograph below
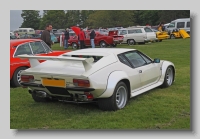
137, 34
107, 76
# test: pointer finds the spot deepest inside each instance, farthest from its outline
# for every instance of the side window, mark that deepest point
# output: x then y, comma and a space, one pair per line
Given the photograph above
148, 60
131, 31
48, 50
171, 25
24, 30
23, 49
188, 24
123, 32
37, 47
123, 60
138, 31
148, 30
135, 58
180, 24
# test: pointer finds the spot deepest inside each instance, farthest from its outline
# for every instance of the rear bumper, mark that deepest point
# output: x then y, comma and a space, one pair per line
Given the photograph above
82, 89
118, 41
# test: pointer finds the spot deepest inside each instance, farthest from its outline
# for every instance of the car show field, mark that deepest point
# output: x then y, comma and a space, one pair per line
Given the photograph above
157, 108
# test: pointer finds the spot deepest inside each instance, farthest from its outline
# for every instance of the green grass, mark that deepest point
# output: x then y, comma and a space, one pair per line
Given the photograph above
167, 108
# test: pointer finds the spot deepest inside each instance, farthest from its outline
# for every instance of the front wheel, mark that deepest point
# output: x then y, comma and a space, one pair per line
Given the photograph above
117, 101
169, 77
16, 79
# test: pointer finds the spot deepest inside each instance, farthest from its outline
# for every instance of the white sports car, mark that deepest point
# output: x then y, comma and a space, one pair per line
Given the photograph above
108, 76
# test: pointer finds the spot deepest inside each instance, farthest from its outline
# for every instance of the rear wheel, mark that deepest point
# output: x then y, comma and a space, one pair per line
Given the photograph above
131, 42
172, 36
103, 44
114, 45
16, 79
74, 45
117, 101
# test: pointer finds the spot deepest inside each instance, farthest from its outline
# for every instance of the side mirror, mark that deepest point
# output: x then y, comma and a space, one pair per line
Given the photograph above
156, 60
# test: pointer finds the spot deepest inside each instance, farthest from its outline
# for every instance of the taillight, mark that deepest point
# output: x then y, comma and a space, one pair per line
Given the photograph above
27, 78
81, 83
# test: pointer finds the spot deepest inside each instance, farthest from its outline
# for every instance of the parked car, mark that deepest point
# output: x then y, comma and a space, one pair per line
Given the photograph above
12, 37
30, 47
133, 35
161, 35
100, 40
53, 38
106, 76
28, 36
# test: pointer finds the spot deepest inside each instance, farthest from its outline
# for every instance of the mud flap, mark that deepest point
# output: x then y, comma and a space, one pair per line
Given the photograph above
184, 34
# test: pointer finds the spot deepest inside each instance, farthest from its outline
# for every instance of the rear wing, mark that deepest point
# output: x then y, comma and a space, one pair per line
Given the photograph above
34, 60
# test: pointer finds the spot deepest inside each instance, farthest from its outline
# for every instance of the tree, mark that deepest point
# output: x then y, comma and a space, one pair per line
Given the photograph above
54, 17
110, 18
31, 19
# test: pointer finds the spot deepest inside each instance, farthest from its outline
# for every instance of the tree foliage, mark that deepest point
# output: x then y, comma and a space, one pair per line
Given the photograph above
31, 19
99, 18
54, 17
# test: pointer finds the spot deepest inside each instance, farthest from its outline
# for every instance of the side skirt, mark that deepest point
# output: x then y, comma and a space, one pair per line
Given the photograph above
135, 93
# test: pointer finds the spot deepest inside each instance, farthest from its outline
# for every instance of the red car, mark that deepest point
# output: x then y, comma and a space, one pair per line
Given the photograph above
30, 47
100, 40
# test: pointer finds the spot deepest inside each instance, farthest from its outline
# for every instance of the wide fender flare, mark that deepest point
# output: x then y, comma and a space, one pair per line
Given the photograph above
164, 67
112, 81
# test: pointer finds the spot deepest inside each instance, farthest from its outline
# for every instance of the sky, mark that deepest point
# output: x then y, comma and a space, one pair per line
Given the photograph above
16, 20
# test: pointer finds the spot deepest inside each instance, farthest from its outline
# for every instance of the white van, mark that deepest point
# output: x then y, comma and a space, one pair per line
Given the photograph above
182, 23
26, 31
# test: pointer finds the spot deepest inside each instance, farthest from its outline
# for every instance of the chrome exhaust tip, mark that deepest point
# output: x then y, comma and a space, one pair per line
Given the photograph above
41, 94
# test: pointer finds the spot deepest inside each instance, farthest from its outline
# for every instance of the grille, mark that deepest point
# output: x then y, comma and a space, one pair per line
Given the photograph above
58, 91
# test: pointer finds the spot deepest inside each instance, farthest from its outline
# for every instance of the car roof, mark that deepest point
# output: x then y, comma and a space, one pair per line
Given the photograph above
16, 42
99, 51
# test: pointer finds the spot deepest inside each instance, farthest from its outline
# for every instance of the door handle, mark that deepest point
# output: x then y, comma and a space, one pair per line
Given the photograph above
140, 71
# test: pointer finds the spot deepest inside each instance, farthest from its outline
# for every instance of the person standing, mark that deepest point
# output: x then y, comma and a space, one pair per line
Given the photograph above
81, 38
160, 27
45, 36
66, 38
92, 36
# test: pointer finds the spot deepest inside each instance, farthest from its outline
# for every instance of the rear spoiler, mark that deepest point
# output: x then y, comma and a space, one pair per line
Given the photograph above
34, 60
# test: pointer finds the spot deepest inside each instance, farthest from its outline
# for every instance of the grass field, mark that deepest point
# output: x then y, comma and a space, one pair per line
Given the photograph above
156, 109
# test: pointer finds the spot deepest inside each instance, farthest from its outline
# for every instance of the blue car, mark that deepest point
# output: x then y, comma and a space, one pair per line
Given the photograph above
53, 38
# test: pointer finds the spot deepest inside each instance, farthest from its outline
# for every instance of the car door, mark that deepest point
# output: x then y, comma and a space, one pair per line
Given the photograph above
148, 71
151, 35
141, 36
133, 75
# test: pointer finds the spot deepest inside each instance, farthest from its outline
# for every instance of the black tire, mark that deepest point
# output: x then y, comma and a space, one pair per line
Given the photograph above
160, 40
114, 45
74, 45
131, 42
15, 81
172, 36
39, 99
110, 104
169, 77
103, 44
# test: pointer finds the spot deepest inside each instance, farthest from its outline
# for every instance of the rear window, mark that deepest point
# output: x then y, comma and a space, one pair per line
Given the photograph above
96, 58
